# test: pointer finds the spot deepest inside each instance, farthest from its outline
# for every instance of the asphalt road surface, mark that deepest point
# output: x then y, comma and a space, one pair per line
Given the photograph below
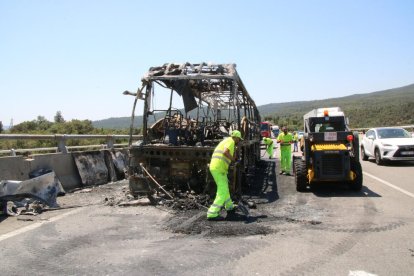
329, 230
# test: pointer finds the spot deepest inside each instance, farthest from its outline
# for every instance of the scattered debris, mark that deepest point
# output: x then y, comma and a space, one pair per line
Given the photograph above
11, 209
85, 190
25, 219
30, 195
251, 204
184, 201
139, 202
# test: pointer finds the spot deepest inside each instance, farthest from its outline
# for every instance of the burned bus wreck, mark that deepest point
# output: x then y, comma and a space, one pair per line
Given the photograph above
204, 103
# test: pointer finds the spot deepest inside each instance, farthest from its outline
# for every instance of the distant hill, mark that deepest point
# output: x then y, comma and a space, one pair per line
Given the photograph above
117, 123
382, 108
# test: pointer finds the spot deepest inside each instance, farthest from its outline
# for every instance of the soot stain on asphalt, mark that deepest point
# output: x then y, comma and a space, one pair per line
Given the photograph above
262, 188
197, 224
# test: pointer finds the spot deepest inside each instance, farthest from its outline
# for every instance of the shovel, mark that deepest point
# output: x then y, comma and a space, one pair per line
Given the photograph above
244, 208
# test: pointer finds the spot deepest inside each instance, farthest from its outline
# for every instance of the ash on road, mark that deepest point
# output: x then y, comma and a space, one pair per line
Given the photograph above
188, 211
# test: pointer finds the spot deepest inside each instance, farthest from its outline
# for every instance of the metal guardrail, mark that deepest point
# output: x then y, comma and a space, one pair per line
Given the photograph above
61, 141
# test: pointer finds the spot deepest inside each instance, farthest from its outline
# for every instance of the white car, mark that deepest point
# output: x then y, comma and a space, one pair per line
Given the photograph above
387, 143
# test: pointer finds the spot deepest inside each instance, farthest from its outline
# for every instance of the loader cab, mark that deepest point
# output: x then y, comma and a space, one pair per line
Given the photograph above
333, 124
325, 120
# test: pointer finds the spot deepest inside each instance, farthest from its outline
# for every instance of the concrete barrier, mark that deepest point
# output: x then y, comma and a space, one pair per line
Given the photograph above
64, 166
14, 168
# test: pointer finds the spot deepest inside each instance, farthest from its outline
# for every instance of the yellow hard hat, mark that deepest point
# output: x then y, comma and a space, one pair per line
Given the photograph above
236, 133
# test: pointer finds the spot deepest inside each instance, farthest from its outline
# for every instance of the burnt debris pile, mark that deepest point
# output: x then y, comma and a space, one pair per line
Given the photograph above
183, 201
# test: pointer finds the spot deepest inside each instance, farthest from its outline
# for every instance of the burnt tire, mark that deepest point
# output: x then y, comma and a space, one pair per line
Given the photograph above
300, 175
364, 156
356, 184
294, 160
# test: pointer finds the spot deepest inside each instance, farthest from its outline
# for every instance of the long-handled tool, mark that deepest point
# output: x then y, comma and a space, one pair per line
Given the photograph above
155, 181
244, 208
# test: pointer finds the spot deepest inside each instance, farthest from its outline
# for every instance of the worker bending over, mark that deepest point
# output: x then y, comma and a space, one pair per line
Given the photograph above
269, 146
222, 156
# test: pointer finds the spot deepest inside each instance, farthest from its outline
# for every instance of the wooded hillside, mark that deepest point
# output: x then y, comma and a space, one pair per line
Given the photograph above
383, 108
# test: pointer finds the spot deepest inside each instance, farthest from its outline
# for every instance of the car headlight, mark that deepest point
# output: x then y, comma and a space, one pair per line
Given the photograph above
386, 145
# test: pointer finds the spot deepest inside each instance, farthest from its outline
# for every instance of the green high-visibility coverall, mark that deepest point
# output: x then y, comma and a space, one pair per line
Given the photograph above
219, 167
295, 142
285, 151
269, 146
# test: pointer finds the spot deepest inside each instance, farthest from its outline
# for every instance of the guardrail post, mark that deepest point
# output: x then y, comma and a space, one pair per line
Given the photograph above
62, 143
12, 152
110, 141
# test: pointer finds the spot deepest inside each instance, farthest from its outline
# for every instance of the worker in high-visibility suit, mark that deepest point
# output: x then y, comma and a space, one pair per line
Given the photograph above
269, 146
295, 141
285, 139
222, 156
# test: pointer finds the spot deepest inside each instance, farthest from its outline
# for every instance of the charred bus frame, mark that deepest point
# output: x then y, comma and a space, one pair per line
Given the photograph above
176, 149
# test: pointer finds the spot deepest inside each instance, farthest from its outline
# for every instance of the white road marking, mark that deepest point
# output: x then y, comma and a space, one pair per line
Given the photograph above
390, 185
36, 225
360, 273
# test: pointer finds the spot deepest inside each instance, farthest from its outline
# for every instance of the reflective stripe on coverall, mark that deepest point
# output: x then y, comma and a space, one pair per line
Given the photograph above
269, 146
219, 167
285, 151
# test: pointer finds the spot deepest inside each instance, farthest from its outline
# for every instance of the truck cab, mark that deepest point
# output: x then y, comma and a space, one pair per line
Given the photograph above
266, 129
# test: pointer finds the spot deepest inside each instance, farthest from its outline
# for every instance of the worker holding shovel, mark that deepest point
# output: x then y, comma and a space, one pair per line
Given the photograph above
222, 156
269, 146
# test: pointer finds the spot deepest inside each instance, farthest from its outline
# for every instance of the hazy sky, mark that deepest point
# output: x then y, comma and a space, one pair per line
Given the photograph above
78, 56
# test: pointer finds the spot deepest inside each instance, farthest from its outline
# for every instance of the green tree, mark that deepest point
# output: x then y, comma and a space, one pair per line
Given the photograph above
1, 127
59, 118
25, 127
42, 123
79, 127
